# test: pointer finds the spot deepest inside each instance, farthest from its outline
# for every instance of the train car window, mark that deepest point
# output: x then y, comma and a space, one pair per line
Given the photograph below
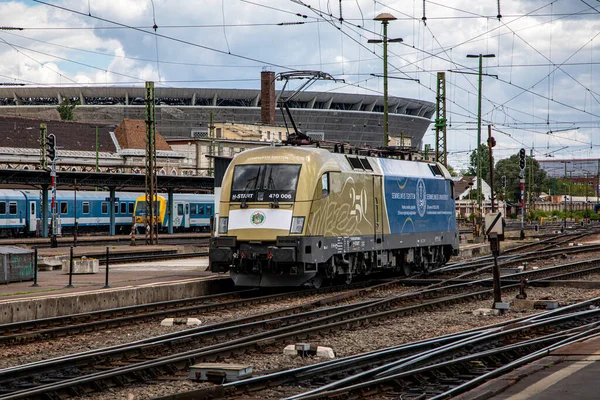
325, 184
116, 207
209, 209
130, 208
200, 209
179, 209
2, 207
123, 208
187, 209
104, 207
12, 207
64, 207
85, 207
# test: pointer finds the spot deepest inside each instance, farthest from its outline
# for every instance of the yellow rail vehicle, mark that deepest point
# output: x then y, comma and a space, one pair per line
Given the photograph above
293, 216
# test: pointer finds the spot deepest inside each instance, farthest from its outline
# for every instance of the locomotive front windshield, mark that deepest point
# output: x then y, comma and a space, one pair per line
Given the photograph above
268, 182
140, 209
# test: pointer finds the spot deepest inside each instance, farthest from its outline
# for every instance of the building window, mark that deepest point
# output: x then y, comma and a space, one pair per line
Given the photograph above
231, 151
268, 135
279, 135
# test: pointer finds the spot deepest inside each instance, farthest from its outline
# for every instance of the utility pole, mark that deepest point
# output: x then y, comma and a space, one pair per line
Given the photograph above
151, 198
211, 149
440, 120
385, 19
97, 152
479, 191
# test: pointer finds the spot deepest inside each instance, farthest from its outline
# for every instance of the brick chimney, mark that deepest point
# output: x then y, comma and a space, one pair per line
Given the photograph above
267, 97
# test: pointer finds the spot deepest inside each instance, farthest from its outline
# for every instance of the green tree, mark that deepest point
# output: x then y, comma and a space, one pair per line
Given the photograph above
65, 109
451, 169
509, 167
485, 163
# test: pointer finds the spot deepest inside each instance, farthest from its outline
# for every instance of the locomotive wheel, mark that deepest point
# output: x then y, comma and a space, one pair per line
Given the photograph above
406, 270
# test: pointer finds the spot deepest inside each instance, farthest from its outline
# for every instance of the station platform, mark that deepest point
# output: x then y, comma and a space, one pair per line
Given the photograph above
130, 284
567, 373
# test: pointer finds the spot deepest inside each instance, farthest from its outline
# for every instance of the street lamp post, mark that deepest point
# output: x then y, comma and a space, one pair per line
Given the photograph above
479, 191
385, 19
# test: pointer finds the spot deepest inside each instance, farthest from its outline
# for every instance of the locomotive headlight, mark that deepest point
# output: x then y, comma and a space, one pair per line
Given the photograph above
297, 225
223, 224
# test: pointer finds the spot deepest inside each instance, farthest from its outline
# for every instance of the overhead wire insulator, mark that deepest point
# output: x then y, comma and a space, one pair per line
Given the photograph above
424, 19
499, 16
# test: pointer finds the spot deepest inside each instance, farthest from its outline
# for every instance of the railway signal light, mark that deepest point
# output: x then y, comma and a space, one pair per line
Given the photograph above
51, 147
504, 181
522, 158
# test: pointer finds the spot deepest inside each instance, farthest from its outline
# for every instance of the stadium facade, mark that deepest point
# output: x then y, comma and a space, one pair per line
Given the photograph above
185, 112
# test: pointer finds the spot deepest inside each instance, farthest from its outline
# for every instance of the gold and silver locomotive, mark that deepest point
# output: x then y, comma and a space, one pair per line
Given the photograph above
293, 216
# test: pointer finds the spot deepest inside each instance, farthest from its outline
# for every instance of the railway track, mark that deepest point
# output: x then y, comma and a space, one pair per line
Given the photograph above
144, 361
40, 329
437, 368
169, 354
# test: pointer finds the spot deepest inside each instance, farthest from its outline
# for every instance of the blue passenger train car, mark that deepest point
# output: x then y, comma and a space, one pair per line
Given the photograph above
20, 211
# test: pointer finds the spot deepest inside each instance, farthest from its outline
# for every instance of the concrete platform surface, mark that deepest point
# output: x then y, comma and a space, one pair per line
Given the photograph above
568, 373
130, 284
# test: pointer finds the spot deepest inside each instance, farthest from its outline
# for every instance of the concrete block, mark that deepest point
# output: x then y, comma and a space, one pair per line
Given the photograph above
290, 350
81, 266
501, 306
50, 263
486, 311
180, 321
220, 373
325, 352
523, 304
510, 271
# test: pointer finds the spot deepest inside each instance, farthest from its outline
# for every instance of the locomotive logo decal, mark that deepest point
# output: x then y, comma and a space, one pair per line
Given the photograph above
257, 218
421, 198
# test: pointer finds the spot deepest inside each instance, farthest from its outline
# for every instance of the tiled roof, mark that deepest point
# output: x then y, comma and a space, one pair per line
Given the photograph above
25, 133
131, 134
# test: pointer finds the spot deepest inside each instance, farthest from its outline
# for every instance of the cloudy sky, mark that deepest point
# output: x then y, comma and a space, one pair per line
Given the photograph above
540, 91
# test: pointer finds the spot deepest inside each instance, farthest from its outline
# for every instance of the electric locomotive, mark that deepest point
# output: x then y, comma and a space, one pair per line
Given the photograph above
294, 216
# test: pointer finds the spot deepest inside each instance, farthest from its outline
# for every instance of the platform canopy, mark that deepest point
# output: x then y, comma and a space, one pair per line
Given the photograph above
11, 178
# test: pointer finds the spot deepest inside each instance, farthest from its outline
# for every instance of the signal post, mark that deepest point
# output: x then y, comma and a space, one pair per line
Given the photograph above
51, 155
522, 159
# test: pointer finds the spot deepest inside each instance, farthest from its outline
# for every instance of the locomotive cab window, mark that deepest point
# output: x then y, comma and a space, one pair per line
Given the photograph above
12, 208
265, 183
2, 207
